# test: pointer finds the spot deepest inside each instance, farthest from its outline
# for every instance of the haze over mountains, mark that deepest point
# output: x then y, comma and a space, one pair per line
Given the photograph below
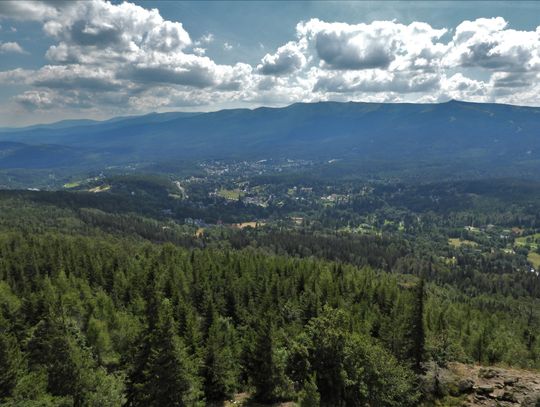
487, 136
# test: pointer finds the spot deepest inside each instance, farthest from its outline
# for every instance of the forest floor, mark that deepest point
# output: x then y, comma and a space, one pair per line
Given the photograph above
243, 400
467, 386
474, 385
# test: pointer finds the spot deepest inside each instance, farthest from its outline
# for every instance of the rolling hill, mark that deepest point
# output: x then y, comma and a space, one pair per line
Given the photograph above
454, 135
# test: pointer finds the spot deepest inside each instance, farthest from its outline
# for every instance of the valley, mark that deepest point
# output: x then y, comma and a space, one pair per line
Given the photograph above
276, 264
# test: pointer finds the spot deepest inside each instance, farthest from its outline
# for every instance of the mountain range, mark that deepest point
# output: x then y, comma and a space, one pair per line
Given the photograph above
452, 134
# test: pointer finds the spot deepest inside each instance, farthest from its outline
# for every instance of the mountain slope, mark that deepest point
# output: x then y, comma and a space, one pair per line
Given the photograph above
397, 133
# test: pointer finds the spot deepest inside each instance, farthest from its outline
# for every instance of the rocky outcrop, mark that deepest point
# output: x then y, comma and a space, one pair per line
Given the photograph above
485, 386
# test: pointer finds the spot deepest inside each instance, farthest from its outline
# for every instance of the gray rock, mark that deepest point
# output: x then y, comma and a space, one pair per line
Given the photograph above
484, 389
508, 396
510, 381
487, 373
532, 400
465, 385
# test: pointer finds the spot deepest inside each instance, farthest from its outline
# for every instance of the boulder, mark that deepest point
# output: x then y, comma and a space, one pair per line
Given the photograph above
484, 389
531, 400
465, 386
510, 381
487, 373
508, 396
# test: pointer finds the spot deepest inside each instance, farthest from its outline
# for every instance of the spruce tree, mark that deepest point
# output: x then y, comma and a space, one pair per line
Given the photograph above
263, 370
309, 396
52, 347
10, 361
170, 379
220, 371
417, 334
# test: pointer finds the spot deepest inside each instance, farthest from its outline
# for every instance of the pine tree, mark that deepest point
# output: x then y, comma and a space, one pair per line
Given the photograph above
309, 396
417, 334
52, 347
220, 368
169, 375
10, 360
59, 347
264, 372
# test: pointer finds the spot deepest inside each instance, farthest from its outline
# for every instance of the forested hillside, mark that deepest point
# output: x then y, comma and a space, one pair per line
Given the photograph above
111, 308
448, 139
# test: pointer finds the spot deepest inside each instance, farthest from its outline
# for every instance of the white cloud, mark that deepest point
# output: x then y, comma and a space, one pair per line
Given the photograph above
205, 39
381, 44
123, 58
376, 81
106, 49
42, 99
489, 44
287, 59
460, 87
199, 51
30, 10
95, 30
12, 47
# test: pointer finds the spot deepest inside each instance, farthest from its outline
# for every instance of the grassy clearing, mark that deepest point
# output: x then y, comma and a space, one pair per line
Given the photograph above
101, 188
454, 242
252, 224
230, 194
243, 400
534, 259
531, 241
74, 184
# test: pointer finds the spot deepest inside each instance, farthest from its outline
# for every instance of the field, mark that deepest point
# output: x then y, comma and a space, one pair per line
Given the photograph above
101, 188
230, 194
532, 241
534, 259
454, 242
243, 225
73, 184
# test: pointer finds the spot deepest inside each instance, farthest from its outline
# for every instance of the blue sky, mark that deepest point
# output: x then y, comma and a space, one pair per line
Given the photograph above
94, 59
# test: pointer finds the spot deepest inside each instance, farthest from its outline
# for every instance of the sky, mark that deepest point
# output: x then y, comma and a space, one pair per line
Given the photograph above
97, 59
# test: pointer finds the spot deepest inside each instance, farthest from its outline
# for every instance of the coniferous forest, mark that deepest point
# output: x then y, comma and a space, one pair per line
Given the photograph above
269, 203
119, 306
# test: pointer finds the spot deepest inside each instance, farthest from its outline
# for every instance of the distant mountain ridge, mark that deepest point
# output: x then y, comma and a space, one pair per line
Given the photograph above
394, 133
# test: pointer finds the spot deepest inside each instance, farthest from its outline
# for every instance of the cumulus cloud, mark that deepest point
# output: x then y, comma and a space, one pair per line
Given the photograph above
12, 47
490, 44
205, 39
103, 49
375, 81
386, 60
30, 10
121, 56
287, 59
95, 30
379, 44
75, 77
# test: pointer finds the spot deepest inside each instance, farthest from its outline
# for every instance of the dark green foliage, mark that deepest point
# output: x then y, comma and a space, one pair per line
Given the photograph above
10, 363
351, 369
393, 138
266, 368
220, 372
59, 349
169, 375
163, 374
90, 316
417, 334
309, 396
